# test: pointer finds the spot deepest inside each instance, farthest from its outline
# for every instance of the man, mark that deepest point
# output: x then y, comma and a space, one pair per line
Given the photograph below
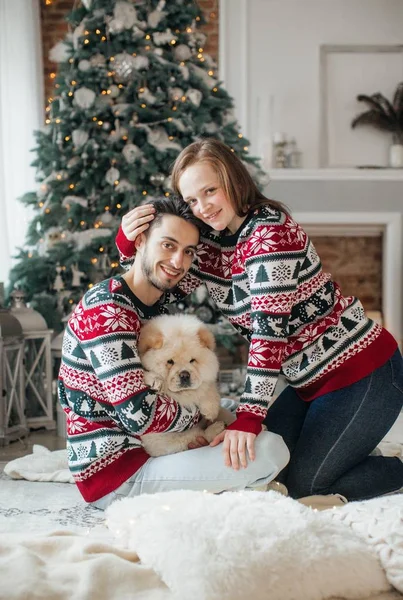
101, 384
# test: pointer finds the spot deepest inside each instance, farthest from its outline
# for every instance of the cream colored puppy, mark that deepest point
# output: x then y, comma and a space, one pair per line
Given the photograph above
177, 353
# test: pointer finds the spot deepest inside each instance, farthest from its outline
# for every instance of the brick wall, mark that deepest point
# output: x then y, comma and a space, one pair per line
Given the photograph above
356, 265
54, 28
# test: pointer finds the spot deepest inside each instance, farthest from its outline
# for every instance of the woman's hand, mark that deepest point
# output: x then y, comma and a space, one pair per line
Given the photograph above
136, 221
235, 445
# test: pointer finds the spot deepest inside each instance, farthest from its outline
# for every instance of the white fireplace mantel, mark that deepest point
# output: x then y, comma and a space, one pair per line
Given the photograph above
387, 224
336, 174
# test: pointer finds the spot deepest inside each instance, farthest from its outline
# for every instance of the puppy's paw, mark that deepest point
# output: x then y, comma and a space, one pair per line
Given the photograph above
153, 381
213, 430
209, 411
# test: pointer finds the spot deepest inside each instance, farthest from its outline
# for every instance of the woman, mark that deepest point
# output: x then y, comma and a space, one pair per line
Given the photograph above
345, 372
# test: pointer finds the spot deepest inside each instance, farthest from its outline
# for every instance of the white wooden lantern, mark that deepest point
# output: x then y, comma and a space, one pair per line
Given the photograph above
37, 363
12, 398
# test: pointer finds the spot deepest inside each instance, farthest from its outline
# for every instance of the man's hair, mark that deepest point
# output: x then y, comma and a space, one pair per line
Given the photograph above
172, 206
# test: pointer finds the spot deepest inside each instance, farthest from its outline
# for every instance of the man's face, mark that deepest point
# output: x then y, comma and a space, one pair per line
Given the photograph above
168, 252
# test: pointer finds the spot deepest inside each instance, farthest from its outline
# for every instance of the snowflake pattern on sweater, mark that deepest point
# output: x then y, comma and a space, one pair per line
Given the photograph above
102, 390
267, 279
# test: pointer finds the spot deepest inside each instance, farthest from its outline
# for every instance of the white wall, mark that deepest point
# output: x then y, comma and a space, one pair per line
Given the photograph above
270, 56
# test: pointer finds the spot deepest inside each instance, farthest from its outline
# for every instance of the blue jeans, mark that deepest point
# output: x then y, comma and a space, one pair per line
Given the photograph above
203, 469
331, 437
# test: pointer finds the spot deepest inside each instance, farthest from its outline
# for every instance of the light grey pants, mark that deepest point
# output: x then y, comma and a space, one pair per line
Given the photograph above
203, 469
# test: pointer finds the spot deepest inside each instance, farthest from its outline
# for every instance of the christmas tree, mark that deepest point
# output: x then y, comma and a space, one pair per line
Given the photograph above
133, 87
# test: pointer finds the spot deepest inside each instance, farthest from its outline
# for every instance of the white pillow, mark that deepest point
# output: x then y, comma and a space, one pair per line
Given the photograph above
245, 545
41, 465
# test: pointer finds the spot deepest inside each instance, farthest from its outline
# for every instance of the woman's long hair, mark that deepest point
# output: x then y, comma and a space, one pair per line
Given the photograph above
234, 177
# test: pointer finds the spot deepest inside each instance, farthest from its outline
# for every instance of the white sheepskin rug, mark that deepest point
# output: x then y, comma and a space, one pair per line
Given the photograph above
260, 545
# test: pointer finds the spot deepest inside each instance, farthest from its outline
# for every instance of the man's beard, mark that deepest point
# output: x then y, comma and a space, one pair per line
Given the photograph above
146, 267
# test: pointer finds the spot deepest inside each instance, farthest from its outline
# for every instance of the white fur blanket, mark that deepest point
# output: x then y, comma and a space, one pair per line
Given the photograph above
263, 545
215, 547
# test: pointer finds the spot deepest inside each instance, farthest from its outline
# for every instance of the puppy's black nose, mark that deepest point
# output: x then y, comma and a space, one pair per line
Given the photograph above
184, 377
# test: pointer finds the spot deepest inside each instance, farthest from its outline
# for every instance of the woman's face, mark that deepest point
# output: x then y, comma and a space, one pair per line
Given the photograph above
201, 189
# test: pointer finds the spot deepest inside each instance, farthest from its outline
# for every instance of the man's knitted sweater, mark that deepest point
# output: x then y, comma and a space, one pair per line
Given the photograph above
102, 390
267, 279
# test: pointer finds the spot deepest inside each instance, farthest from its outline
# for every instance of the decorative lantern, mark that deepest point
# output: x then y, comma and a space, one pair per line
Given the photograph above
37, 363
12, 398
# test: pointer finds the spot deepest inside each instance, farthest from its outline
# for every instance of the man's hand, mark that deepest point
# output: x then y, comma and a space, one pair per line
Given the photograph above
136, 221
235, 446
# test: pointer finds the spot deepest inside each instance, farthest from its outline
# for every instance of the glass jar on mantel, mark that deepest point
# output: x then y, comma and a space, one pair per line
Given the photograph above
13, 423
39, 409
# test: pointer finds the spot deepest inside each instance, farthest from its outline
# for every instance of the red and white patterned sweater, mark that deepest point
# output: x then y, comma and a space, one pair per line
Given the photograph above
267, 279
102, 390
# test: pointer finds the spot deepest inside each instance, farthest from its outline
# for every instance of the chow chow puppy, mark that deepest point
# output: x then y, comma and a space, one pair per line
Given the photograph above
177, 353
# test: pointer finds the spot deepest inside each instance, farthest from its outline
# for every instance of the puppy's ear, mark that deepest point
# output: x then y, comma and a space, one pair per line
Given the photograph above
206, 338
150, 338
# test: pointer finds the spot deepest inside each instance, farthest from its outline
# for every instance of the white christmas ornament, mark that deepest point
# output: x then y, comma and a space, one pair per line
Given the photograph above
78, 33
61, 52
147, 96
155, 17
141, 62
80, 137
195, 96
58, 284
84, 65
87, 4
124, 11
98, 60
185, 72
210, 127
158, 138
137, 33
77, 275
44, 188
123, 67
102, 101
207, 79
73, 162
200, 38
84, 97
163, 37
167, 185
179, 124
182, 52
175, 93
84, 238
52, 236
115, 25
112, 175
68, 200
131, 152
158, 56
118, 133
106, 219
114, 91
124, 186
120, 108
229, 116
